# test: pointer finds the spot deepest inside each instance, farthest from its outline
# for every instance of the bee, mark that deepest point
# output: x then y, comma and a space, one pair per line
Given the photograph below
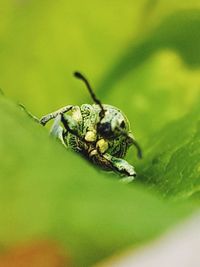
100, 132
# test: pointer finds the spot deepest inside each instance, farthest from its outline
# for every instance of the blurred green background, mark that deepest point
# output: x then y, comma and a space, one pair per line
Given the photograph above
141, 56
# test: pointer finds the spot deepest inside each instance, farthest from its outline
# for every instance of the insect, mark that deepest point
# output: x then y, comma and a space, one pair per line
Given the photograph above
100, 132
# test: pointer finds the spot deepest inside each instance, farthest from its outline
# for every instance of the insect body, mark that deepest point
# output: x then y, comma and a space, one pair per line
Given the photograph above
99, 132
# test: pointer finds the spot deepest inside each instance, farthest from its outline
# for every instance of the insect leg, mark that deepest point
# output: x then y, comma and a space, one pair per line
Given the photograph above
29, 113
54, 114
120, 165
71, 125
57, 131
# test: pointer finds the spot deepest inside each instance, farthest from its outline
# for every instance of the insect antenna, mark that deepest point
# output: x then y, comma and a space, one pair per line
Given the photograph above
139, 150
133, 142
95, 99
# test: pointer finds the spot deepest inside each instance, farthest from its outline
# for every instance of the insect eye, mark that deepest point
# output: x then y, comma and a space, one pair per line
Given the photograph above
105, 129
122, 125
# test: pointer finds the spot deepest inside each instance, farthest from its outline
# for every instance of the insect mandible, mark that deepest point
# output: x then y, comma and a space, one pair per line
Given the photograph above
100, 132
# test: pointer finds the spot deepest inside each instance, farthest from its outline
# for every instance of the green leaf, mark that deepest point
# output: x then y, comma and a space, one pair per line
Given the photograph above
178, 32
48, 192
172, 162
150, 55
42, 44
